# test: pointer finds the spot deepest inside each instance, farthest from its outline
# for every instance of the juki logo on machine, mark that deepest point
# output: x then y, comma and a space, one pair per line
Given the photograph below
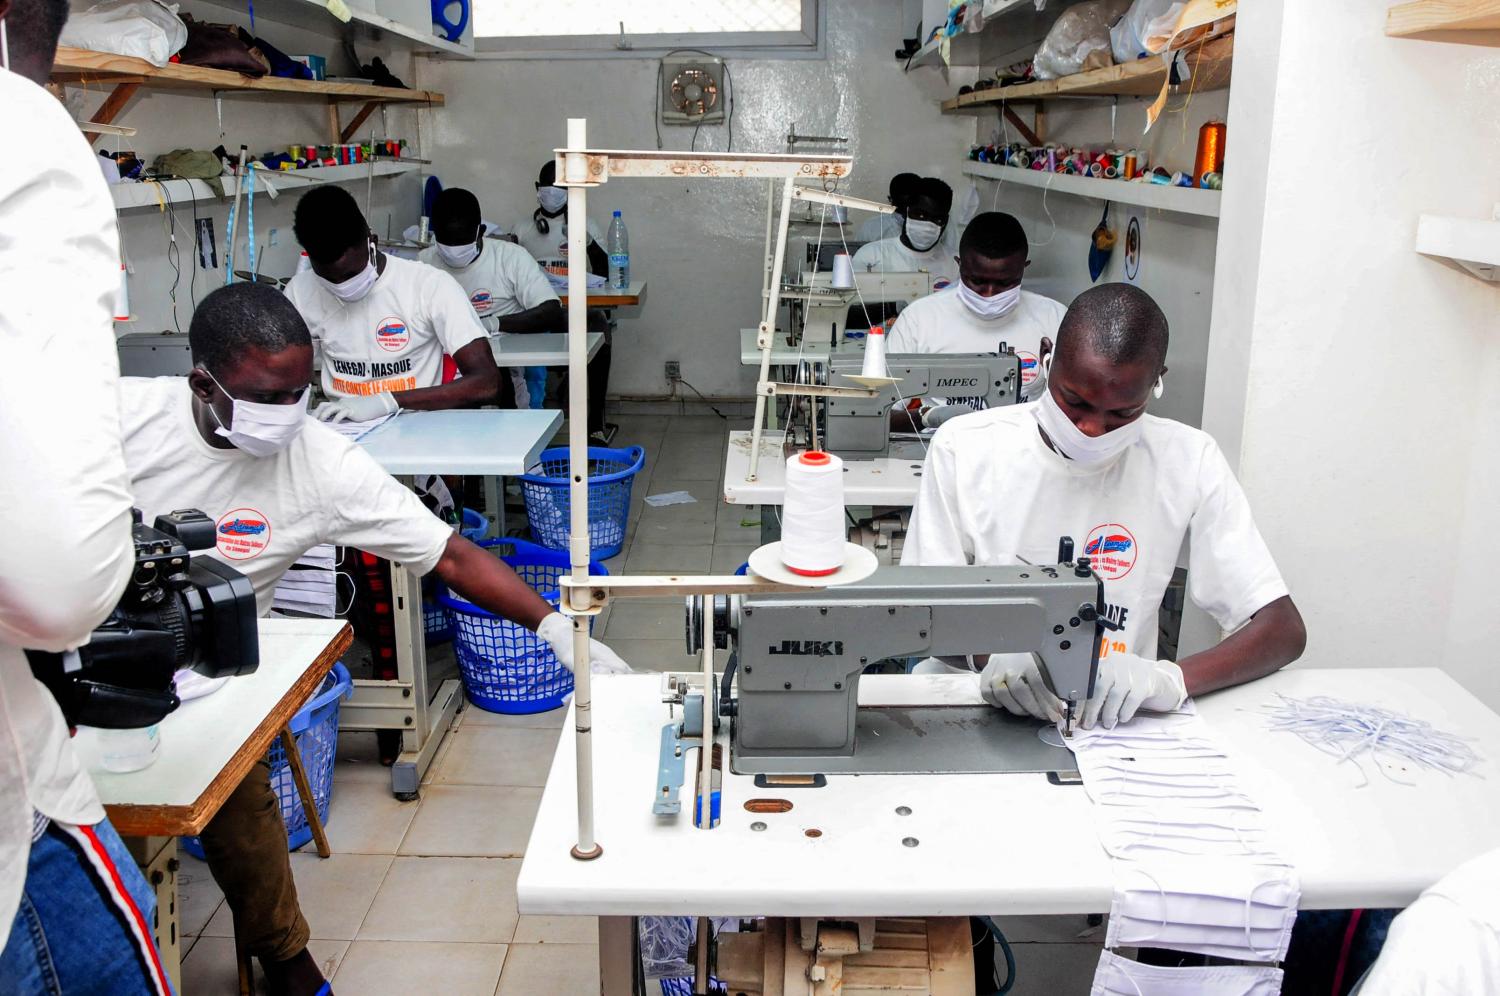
242, 534
1112, 550
392, 335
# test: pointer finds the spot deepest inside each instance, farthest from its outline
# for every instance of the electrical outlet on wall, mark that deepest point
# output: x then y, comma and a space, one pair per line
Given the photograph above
674, 371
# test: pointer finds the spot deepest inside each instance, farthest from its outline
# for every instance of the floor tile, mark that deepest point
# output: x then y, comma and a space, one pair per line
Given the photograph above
563, 969
729, 557
401, 968
334, 894
558, 930
1072, 929
1050, 969
445, 899
645, 619
358, 758
473, 820
209, 969
198, 895
689, 425
656, 558
497, 755
364, 817
475, 716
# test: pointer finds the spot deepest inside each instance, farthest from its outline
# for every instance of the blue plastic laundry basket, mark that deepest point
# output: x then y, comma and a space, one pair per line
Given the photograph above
316, 730
436, 625
611, 474
507, 667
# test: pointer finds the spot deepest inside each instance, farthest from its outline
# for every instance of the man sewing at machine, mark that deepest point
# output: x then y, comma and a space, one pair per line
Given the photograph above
987, 307
1086, 460
921, 245
234, 439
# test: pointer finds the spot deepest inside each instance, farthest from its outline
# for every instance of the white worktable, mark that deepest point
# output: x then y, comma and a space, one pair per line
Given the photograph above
537, 349
814, 349
462, 441
882, 481
1376, 846
482, 442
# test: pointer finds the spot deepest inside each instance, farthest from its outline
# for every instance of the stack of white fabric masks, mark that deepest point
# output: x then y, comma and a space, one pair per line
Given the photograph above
1195, 868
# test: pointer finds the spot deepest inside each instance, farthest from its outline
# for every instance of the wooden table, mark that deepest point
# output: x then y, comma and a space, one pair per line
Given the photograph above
207, 747
608, 297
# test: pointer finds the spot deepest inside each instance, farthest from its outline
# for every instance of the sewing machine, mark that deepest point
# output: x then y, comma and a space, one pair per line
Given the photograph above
825, 309
799, 658
859, 427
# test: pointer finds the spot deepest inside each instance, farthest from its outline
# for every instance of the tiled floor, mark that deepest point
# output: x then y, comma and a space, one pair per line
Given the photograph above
420, 897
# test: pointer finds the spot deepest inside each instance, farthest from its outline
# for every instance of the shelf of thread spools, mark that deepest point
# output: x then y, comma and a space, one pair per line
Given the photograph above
130, 195
1122, 176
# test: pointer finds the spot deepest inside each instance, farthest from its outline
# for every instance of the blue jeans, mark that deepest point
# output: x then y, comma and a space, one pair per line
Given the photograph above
536, 386
84, 923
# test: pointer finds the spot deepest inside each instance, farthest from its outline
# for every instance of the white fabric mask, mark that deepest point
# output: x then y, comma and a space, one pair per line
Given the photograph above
1117, 976
552, 199
1073, 443
923, 235
357, 286
989, 308
458, 257
259, 429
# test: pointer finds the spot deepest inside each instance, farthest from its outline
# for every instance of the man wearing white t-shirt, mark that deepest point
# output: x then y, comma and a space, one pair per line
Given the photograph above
920, 246
234, 439
508, 289
888, 226
987, 307
1087, 461
384, 323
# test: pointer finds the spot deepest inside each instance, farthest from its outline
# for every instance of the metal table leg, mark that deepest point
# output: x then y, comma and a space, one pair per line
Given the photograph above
616, 956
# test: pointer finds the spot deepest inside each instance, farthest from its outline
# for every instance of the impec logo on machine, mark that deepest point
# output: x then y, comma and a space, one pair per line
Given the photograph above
1112, 550
242, 534
391, 334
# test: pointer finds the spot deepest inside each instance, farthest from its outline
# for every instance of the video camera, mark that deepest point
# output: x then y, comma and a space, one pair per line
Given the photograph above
178, 611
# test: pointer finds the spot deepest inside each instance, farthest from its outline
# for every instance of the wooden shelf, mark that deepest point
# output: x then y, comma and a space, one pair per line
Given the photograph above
1433, 17
1210, 64
1183, 200
1468, 243
132, 196
80, 66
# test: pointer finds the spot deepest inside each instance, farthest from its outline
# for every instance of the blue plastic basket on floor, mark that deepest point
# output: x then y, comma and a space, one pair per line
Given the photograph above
506, 667
316, 730
436, 625
548, 508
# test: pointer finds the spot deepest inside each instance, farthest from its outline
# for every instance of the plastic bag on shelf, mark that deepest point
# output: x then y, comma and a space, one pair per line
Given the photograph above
143, 29
1127, 39
1079, 40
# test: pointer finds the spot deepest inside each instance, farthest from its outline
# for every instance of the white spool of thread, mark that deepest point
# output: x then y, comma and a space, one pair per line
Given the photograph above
843, 271
122, 296
839, 214
874, 353
812, 516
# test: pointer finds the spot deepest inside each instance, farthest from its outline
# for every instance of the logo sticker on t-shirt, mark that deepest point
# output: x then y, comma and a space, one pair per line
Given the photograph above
391, 335
1112, 550
243, 534
940, 283
482, 300
1030, 367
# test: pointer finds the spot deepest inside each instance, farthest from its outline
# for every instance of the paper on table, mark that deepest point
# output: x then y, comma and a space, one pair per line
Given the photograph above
356, 430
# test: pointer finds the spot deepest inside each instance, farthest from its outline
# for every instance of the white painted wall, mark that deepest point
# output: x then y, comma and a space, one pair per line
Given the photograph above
1177, 264
1357, 382
697, 244
168, 121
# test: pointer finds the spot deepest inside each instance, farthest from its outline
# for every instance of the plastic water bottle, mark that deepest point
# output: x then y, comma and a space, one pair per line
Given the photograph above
617, 242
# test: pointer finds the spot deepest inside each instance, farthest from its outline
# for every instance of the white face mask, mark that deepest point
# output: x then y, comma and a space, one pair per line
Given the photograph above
552, 199
458, 257
989, 308
259, 429
922, 235
357, 286
1073, 443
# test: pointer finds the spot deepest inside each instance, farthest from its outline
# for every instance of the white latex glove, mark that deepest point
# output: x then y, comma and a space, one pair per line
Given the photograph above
557, 631
356, 408
1127, 683
935, 417
1014, 682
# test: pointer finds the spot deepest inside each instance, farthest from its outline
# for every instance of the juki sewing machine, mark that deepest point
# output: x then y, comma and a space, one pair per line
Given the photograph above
825, 309
797, 661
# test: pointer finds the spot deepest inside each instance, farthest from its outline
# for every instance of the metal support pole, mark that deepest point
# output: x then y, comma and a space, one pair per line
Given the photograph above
706, 761
768, 329
576, 172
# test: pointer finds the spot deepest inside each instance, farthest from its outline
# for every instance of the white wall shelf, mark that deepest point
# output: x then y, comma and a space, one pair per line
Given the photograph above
403, 32
132, 196
1469, 243
1012, 30
1183, 200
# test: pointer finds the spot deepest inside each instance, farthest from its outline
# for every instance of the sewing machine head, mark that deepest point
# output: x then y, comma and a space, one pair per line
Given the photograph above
860, 427
826, 309
800, 657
